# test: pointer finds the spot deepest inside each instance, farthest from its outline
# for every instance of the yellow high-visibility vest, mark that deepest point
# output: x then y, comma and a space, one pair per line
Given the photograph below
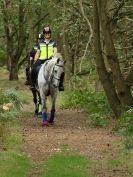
46, 50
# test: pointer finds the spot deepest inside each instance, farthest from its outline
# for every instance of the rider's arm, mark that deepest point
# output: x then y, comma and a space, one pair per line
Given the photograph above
37, 55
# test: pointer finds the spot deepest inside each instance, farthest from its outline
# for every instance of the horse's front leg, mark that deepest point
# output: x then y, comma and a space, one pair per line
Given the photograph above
53, 100
44, 108
39, 105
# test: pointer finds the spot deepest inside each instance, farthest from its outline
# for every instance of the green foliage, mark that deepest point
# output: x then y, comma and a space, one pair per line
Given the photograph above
9, 96
97, 119
93, 102
9, 115
125, 127
61, 165
2, 57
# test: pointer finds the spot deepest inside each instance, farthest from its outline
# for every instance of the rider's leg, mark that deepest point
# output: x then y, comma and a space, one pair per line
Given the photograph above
34, 73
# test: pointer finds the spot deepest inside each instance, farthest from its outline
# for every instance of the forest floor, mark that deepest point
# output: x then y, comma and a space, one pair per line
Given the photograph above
72, 133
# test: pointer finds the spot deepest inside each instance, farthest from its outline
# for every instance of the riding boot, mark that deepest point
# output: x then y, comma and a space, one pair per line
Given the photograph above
61, 86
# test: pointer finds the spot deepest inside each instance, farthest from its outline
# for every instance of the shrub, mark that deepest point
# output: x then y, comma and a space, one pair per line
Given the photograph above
93, 102
9, 96
125, 127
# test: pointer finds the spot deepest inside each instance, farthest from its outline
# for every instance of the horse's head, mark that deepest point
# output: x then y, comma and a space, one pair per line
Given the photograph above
58, 70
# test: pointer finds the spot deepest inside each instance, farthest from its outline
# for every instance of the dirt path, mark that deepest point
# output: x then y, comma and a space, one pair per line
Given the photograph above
72, 133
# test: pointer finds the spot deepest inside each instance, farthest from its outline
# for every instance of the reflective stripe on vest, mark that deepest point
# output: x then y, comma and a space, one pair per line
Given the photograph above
46, 50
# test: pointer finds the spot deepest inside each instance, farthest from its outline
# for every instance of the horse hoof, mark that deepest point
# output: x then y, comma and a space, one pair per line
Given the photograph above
51, 122
45, 123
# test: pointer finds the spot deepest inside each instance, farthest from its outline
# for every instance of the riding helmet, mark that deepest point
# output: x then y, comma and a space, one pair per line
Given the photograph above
46, 30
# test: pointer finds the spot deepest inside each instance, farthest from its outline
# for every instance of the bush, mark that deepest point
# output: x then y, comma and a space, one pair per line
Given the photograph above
9, 96
93, 102
125, 127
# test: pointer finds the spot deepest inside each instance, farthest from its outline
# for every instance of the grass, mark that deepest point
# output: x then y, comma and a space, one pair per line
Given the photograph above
13, 164
124, 161
64, 165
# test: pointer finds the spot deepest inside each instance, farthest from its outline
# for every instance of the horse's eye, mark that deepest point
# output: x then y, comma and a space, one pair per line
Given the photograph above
55, 71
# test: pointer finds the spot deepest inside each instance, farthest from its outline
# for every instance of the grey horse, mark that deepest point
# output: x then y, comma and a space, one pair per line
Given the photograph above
48, 83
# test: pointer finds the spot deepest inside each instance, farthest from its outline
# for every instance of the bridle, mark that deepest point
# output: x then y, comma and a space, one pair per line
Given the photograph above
52, 76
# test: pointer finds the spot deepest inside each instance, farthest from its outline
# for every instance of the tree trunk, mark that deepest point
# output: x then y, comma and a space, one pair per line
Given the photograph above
14, 49
13, 71
122, 89
102, 72
66, 48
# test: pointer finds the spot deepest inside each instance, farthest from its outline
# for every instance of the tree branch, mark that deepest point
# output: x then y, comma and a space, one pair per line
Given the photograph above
39, 21
90, 29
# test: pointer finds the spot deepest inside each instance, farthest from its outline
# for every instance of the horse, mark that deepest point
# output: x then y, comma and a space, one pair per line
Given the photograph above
47, 84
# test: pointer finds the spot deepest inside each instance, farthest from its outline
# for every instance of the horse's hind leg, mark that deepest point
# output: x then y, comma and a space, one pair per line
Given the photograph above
52, 115
35, 101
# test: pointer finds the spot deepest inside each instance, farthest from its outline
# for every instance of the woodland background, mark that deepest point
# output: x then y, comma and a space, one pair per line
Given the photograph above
92, 36
95, 38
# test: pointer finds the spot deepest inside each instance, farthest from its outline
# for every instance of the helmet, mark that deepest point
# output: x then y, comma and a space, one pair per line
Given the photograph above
46, 30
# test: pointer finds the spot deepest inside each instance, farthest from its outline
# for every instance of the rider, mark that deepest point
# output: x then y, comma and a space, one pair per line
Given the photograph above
31, 57
47, 48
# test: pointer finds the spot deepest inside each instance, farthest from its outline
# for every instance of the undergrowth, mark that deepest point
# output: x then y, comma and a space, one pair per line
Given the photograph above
124, 126
13, 162
9, 110
95, 103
